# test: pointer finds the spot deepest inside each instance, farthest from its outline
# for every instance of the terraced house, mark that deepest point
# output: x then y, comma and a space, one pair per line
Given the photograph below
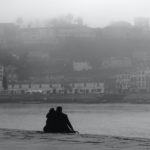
57, 88
134, 82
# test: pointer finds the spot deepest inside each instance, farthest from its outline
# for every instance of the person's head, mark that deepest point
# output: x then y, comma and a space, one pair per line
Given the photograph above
59, 109
52, 110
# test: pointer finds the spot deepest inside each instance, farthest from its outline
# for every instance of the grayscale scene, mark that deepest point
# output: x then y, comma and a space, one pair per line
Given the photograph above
74, 74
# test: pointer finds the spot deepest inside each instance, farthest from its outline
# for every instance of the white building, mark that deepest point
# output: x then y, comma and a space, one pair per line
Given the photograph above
123, 81
88, 88
137, 81
57, 88
81, 66
115, 62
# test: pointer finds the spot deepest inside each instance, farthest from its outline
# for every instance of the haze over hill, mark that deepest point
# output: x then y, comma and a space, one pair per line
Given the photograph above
66, 45
96, 13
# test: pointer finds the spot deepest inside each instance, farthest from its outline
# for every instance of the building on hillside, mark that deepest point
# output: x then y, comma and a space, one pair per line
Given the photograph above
11, 73
52, 35
115, 62
75, 31
141, 55
134, 82
81, 66
42, 35
9, 35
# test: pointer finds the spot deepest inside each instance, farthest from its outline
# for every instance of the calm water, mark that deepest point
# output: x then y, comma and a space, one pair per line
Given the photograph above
107, 119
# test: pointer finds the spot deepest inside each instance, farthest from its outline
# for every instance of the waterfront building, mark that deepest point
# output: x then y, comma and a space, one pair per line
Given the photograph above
134, 82
141, 81
58, 88
123, 82
88, 88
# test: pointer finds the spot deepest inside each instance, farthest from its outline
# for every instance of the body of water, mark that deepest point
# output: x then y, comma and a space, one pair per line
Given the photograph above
128, 120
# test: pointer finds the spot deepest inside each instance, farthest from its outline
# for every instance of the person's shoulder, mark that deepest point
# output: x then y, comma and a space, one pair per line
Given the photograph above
65, 115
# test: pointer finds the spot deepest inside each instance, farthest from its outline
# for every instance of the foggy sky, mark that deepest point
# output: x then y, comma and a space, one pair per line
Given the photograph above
94, 12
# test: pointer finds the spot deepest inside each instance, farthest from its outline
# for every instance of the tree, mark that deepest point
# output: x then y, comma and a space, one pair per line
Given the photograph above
69, 19
19, 21
79, 21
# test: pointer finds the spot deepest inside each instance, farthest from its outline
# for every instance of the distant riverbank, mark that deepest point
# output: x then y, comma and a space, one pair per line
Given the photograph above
68, 98
135, 98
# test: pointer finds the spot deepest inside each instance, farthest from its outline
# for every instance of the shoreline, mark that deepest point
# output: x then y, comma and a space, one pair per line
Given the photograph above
36, 140
41, 133
88, 103
133, 98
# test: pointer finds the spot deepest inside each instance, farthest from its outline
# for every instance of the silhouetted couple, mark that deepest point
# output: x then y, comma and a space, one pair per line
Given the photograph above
57, 122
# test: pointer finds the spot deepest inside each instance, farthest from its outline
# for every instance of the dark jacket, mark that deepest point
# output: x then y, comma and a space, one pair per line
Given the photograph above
63, 124
50, 126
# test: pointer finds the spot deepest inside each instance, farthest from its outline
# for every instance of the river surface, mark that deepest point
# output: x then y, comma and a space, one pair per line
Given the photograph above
129, 120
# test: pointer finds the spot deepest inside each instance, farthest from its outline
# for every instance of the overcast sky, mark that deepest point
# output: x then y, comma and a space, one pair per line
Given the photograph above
94, 12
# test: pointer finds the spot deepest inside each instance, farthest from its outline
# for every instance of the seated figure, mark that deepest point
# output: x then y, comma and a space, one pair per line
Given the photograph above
63, 124
50, 122
57, 122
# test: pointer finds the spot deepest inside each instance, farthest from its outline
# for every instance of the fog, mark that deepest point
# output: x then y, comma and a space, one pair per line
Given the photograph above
95, 12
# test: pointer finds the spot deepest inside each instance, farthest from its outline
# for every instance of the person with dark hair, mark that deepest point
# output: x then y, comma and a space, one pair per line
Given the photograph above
63, 124
50, 122
57, 122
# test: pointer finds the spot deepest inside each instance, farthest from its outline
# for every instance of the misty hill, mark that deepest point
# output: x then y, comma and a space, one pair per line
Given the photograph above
43, 51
